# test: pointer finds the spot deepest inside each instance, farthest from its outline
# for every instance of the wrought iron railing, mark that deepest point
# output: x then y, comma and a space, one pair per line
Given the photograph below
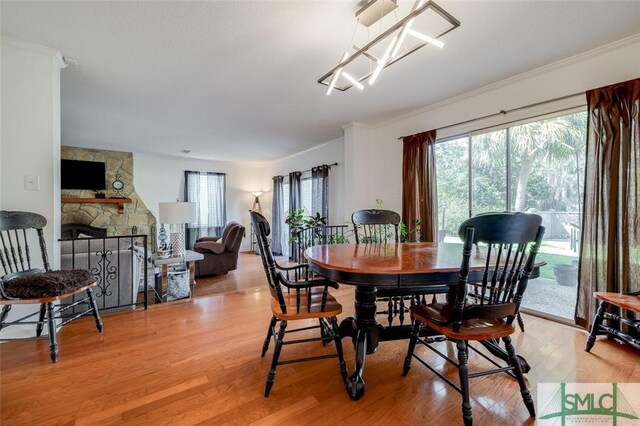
325, 234
119, 263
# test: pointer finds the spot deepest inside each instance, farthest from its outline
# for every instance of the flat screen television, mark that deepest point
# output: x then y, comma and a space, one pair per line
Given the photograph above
76, 174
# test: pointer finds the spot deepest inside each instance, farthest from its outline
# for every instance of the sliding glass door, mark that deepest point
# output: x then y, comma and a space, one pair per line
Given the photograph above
535, 167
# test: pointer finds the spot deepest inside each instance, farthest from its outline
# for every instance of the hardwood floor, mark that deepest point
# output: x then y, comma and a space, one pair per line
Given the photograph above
198, 362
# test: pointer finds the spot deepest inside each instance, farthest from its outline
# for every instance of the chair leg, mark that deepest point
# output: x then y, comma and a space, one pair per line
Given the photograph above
3, 315
520, 322
463, 356
94, 308
338, 342
597, 321
513, 360
323, 332
412, 346
276, 356
265, 345
40, 326
53, 346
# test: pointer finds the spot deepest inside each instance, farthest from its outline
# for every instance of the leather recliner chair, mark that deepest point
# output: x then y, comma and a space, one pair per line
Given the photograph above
220, 253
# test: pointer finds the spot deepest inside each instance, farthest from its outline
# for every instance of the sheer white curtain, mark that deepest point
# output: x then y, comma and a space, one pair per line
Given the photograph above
208, 191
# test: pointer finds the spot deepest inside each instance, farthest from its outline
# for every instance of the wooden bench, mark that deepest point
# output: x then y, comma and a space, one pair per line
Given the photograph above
630, 302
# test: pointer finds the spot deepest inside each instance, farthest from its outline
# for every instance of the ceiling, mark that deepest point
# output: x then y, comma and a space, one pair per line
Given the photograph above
236, 80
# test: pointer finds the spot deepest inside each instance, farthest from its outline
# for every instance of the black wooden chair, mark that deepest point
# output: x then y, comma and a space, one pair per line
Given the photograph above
24, 284
382, 227
615, 320
307, 298
489, 311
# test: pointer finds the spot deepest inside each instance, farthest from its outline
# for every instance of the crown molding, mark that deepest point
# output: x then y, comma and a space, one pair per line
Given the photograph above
356, 125
36, 48
511, 80
341, 138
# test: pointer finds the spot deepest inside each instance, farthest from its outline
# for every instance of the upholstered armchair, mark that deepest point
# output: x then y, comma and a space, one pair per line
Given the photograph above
220, 253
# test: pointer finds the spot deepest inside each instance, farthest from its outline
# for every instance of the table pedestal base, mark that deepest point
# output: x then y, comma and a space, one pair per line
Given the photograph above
366, 333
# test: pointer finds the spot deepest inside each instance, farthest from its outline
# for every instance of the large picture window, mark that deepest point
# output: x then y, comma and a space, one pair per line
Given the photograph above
536, 167
208, 191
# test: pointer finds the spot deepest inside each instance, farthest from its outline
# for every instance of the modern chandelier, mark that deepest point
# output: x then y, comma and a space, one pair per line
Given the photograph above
425, 24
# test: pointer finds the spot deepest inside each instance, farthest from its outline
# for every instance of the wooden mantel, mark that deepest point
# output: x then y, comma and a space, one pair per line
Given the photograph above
119, 201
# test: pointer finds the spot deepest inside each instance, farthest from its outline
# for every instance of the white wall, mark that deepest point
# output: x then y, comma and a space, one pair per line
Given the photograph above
159, 178
30, 143
327, 153
375, 155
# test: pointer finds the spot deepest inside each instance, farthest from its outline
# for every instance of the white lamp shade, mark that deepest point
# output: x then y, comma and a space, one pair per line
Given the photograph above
177, 212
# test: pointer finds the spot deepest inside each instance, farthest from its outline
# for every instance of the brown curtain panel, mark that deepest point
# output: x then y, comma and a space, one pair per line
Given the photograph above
419, 194
610, 247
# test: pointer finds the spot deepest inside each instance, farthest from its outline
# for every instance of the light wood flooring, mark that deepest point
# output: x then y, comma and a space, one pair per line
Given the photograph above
198, 362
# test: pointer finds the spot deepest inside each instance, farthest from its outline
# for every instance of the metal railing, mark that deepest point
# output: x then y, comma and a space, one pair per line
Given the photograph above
325, 234
119, 263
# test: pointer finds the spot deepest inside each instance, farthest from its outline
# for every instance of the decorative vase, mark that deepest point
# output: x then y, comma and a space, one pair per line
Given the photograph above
177, 243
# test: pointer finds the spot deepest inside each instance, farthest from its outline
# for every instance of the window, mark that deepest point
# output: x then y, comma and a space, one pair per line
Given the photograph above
310, 191
208, 191
535, 167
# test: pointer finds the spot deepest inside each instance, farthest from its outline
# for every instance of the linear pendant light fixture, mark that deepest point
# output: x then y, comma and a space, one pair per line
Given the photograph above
397, 41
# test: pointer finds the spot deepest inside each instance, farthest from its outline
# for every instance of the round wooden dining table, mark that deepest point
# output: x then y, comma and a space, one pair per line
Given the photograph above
401, 266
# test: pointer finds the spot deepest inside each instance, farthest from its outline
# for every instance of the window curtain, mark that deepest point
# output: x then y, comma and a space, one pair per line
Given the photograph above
295, 191
320, 190
610, 244
419, 191
208, 191
278, 237
295, 203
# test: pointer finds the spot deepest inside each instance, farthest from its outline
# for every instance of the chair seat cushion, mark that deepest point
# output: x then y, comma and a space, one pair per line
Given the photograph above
47, 284
209, 246
434, 314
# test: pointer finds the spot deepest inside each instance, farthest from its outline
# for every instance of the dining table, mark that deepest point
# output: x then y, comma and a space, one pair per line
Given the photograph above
401, 266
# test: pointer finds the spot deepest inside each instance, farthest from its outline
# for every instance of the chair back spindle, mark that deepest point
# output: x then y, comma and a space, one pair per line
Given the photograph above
504, 279
279, 276
375, 226
262, 230
15, 255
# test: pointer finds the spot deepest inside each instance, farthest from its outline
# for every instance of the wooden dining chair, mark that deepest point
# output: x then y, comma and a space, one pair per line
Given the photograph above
489, 312
375, 226
22, 283
615, 320
293, 300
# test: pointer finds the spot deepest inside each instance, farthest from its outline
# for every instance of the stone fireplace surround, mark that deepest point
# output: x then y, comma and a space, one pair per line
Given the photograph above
107, 215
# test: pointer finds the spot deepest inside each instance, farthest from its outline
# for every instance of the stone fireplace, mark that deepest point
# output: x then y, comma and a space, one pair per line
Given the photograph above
134, 217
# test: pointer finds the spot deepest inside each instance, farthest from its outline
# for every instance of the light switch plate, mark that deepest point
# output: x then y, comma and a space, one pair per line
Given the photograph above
32, 183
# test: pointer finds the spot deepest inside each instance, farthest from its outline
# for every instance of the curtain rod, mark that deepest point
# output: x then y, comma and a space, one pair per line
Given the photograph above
334, 164
503, 112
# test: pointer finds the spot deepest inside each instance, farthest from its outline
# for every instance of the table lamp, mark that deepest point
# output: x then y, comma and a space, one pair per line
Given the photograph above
177, 214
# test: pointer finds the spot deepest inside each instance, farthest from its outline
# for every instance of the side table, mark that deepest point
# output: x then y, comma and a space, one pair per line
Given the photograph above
190, 258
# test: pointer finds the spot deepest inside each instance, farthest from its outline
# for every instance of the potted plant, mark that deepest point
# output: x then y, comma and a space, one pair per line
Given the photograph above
566, 275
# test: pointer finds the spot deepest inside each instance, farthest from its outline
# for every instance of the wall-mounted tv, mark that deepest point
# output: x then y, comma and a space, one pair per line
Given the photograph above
78, 174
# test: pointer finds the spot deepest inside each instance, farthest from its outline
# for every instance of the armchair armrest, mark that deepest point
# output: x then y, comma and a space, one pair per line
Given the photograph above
292, 268
322, 282
207, 239
209, 246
